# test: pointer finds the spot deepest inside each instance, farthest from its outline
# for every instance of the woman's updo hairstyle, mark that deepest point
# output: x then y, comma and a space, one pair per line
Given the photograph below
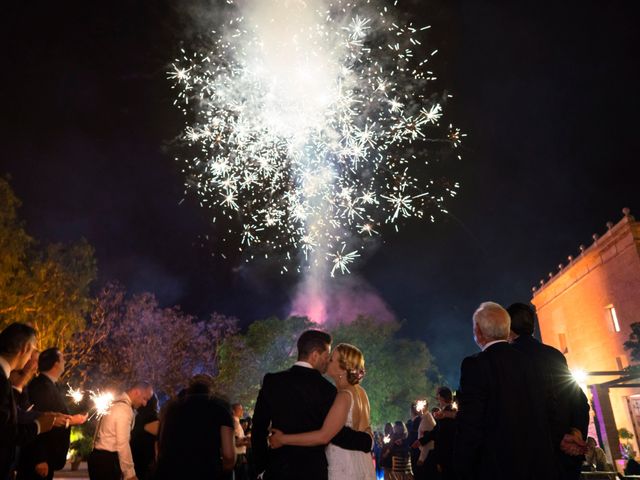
350, 358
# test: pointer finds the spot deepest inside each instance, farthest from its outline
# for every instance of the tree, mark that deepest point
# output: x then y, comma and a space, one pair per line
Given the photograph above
633, 344
396, 368
47, 287
130, 339
267, 346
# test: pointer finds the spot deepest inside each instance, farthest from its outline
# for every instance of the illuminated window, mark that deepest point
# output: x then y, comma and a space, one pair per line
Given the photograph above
563, 343
614, 318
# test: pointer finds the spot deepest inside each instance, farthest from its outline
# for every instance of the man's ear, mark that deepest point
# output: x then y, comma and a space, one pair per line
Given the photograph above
477, 332
25, 347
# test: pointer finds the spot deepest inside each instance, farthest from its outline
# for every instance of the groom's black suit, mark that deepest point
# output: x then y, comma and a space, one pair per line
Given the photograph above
295, 401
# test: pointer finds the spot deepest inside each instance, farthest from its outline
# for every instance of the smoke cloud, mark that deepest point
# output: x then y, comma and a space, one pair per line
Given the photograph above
339, 300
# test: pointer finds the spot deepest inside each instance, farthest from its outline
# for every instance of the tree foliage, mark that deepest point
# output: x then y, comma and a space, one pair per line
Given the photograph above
47, 287
396, 368
130, 339
633, 344
267, 346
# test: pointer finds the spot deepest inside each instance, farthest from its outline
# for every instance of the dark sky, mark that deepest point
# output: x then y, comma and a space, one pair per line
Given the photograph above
547, 92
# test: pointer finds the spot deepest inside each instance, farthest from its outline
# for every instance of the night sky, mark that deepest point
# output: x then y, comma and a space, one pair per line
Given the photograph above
546, 91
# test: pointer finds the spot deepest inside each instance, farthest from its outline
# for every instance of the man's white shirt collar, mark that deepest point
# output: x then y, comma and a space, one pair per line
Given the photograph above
5, 366
492, 343
300, 363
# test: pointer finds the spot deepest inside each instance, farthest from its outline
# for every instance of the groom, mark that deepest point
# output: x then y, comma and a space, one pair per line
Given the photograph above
295, 401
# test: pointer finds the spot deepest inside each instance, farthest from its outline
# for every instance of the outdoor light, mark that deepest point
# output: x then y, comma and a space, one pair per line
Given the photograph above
579, 376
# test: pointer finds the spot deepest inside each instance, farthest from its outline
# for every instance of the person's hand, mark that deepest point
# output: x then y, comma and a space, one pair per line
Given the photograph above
46, 421
573, 444
275, 439
42, 469
78, 418
59, 419
416, 444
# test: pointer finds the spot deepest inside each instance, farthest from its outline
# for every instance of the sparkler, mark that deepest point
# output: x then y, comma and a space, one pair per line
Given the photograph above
386, 439
101, 402
313, 129
75, 394
421, 405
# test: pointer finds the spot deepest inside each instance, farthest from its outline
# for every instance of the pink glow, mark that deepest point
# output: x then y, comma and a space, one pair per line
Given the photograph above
341, 300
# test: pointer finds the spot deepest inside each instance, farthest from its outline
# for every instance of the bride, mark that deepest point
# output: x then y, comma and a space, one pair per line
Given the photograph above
350, 408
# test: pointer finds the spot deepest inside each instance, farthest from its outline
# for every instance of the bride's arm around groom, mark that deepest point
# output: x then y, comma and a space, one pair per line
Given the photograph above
298, 400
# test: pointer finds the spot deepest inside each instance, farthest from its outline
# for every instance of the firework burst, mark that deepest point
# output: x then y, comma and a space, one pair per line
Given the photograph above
313, 130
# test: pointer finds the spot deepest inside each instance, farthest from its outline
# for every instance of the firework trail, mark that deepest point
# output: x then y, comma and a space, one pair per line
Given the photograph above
310, 128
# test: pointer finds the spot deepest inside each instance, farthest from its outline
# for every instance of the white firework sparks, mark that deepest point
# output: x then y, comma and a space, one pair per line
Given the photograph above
75, 394
299, 124
341, 260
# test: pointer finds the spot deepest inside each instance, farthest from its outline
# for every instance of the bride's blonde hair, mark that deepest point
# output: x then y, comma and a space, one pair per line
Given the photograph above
350, 358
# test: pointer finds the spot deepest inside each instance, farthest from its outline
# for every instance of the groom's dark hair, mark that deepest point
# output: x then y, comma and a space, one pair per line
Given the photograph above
311, 341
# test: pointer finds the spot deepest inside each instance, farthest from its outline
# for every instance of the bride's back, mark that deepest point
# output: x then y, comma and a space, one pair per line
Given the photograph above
361, 410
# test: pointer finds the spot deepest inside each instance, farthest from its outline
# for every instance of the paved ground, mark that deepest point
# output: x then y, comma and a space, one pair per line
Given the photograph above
80, 474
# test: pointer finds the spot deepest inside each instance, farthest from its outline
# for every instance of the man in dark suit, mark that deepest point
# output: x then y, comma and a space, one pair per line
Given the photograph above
413, 425
48, 452
443, 436
502, 432
567, 405
295, 401
17, 341
196, 438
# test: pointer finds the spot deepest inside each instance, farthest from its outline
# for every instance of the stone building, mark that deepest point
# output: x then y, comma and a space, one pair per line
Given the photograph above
585, 310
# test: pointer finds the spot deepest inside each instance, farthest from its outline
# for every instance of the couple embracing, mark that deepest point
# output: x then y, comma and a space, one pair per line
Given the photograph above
318, 431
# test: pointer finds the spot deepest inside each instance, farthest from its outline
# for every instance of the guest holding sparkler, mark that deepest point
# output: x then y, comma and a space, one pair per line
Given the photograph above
425, 465
399, 454
442, 435
49, 451
17, 343
385, 458
413, 424
111, 457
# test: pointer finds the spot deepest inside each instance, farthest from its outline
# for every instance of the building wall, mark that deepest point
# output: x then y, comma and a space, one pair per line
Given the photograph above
574, 314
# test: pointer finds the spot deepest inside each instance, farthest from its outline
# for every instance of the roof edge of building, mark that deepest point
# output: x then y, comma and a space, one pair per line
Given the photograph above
627, 220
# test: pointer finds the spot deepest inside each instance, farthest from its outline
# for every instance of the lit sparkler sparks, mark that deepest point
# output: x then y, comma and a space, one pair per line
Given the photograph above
421, 405
75, 394
101, 402
386, 439
312, 128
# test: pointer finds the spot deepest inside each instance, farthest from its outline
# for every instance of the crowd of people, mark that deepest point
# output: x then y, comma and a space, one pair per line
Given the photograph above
518, 414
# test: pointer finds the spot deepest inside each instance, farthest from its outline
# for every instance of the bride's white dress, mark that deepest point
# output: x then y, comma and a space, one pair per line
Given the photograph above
349, 464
